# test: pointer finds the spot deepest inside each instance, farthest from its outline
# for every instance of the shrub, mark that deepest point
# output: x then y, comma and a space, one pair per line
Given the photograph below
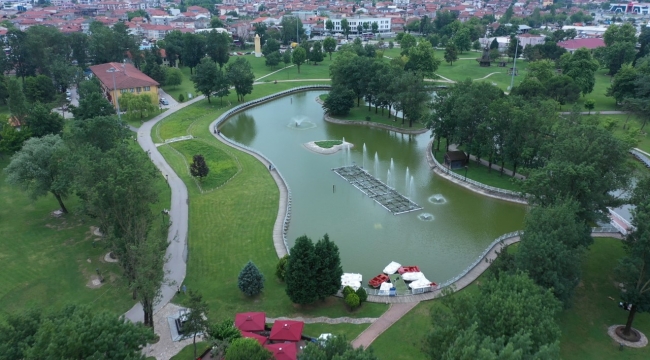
347, 291
352, 300
367, 118
362, 294
181, 98
281, 268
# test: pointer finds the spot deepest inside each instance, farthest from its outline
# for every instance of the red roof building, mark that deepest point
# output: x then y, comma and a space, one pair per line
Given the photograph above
283, 351
260, 339
117, 79
575, 44
286, 330
250, 321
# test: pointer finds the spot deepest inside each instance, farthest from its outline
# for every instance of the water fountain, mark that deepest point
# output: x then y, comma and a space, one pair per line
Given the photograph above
363, 159
437, 199
376, 165
388, 179
348, 149
301, 123
392, 167
411, 188
425, 217
406, 180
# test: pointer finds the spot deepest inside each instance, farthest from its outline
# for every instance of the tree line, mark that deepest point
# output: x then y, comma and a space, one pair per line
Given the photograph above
359, 73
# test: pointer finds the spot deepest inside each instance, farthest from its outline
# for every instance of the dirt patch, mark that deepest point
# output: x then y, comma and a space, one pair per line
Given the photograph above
94, 282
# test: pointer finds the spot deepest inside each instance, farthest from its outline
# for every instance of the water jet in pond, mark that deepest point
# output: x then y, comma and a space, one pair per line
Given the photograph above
437, 199
363, 159
425, 217
388, 198
301, 123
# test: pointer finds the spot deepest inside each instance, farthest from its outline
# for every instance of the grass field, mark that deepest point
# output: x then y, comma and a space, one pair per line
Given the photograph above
186, 86
584, 326
47, 261
233, 224
222, 165
188, 352
328, 144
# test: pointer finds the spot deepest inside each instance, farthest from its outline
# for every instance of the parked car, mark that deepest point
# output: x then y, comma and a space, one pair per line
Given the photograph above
68, 93
164, 101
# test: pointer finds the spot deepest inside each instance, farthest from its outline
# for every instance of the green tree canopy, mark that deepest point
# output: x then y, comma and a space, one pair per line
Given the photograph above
328, 271
250, 280
247, 349
241, 77
203, 79
301, 288
299, 56
581, 67
42, 121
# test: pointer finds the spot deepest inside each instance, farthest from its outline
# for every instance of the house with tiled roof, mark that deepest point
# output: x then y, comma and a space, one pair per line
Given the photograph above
117, 79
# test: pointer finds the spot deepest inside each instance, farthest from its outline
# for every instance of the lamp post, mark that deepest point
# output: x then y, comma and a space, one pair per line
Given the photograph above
514, 66
112, 70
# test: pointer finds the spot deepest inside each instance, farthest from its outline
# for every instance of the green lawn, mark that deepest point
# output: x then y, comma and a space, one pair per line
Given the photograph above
644, 139
47, 261
328, 144
584, 326
361, 113
350, 331
187, 86
233, 224
137, 122
188, 352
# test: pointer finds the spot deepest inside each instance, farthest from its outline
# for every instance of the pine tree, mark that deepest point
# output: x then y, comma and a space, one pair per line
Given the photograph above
328, 268
199, 168
301, 285
250, 280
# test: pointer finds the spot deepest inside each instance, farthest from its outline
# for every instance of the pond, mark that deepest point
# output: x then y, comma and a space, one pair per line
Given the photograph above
454, 226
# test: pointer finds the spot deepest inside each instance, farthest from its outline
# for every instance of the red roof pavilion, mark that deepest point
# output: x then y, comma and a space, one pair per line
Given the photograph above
283, 351
286, 330
250, 321
261, 339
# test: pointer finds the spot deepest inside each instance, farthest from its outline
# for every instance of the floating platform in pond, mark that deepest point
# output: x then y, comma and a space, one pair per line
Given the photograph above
387, 197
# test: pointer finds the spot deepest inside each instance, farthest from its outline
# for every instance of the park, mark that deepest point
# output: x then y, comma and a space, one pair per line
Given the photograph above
266, 188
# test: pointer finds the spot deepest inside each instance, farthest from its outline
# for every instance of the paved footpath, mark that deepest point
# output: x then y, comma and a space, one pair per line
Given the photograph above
394, 313
326, 320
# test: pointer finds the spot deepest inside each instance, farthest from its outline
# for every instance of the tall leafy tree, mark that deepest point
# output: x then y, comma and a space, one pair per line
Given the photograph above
634, 269
345, 27
329, 45
217, 46
552, 248
174, 46
316, 53
581, 67
328, 271
11, 140
339, 101
250, 280
623, 84
42, 121
462, 40
193, 50
298, 57
451, 53
221, 85
421, 59
476, 321
173, 77
247, 349
79, 43
241, 77
270, 46
102, 132
39, 168
203, 79
407, 42
17, 102
93, 105
301, 289
414, 96
39, 89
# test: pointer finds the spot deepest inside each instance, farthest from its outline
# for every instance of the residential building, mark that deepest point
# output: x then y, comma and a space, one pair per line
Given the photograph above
117, 79
575, 44
384, 23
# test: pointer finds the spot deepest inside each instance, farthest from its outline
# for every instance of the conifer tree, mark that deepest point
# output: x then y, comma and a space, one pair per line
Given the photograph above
199, 168
301, 285
250, 280
328, 270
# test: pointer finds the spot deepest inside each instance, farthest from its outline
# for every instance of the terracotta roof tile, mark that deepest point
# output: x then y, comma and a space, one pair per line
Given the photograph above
126, 76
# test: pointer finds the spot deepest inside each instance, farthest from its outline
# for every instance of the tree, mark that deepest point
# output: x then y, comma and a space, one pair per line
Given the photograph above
581, 67
141, 104
291, 27
339, 101
11, 140
199, 168
247, 349
63, 74
42, 121
542, 70
406, 43
329, 25
633, 270
206, 73
345, 27
241, 77
273, 59
301, 289
316, 53
93, 105
173, 46
422, 59
39, 168
552, 248
562, 89
215, 22
39, 88
79, 47
17, 102
590, 104
374, 27
250, 280
299, 56
329, 45
391, 44
281, 268
451, 53
221, 85
270, 46
623, 84
195, 319
328, 270
193, 50
34, 335
286, 57
463, 40
475, 321
173, 77
221, 335
102, 132
514, 48
494, 44
413, 96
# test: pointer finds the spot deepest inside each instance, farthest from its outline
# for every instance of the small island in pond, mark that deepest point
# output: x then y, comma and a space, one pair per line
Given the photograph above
327, 147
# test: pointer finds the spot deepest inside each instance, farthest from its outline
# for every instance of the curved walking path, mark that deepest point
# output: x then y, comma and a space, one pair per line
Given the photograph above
488, 75
387, 319
326, 320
